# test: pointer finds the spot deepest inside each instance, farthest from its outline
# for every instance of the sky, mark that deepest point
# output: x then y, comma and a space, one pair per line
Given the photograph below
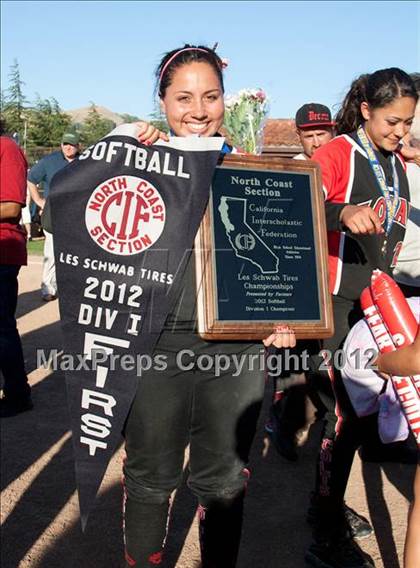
106, 52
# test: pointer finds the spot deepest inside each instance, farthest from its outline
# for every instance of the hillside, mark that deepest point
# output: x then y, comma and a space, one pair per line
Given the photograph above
279, 133
79, 115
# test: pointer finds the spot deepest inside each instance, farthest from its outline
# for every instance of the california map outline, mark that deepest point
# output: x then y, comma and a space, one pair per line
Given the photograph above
243, 239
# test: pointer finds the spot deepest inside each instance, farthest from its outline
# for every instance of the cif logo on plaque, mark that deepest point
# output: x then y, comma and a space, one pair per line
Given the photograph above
245, 241
125, 215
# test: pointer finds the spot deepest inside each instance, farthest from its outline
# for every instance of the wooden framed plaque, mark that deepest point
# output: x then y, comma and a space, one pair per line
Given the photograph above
261, 251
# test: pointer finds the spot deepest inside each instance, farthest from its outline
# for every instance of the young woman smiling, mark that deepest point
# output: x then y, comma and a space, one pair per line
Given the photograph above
215, 415
367, 204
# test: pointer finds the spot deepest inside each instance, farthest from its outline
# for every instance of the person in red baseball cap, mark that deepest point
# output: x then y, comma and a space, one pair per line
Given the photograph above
314, 127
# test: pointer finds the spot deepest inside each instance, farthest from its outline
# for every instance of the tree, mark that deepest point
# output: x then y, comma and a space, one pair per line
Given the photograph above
95, 126
127, 118
158, 119
13, 103
2, 100
2, 108
47, 123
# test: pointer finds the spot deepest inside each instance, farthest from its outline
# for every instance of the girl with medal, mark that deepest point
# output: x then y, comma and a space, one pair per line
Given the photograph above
367, 205
174, 407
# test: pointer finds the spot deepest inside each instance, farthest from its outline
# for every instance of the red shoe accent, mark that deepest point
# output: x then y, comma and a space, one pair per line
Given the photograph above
201, 512
155, 558
247, 475
278, 395
130, 561
325, 466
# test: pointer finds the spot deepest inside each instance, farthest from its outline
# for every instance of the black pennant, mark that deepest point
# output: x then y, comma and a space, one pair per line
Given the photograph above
123, 215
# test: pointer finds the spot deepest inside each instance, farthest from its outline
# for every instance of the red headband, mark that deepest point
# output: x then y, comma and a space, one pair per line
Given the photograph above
176, 55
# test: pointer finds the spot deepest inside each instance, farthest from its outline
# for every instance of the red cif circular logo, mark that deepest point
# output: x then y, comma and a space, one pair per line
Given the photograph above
125, 215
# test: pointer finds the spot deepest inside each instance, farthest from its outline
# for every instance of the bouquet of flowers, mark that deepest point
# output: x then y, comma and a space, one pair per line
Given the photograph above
245, 115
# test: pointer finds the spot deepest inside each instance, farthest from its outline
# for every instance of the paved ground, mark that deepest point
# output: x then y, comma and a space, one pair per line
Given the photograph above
39, 506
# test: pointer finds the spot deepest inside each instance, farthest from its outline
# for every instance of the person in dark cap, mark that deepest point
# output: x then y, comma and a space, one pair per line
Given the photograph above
43, 172
315, 127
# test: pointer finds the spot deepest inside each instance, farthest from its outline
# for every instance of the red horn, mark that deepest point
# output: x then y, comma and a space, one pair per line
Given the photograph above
386, 308
394, 308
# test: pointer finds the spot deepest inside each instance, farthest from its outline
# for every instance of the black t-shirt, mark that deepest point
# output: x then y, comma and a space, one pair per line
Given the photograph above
180, 329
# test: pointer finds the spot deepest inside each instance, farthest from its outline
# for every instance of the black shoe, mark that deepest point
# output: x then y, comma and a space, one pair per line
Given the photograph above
356, 526
13, 407
359, 526
342, 553
397, 452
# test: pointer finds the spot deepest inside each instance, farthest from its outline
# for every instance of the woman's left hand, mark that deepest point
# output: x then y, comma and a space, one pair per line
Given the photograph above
282, 337
149, 134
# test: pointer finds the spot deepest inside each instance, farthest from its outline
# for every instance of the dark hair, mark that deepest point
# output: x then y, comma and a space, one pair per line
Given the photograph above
176, 58
416, 80
377, 89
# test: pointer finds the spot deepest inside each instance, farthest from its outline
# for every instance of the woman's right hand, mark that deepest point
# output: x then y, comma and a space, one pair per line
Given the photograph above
149, 134
361, 220
282, 337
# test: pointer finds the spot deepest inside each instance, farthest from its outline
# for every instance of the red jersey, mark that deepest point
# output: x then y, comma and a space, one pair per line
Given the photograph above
347, 178
13, 168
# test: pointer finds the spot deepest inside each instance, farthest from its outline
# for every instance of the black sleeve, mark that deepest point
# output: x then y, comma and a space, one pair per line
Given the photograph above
332, 214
